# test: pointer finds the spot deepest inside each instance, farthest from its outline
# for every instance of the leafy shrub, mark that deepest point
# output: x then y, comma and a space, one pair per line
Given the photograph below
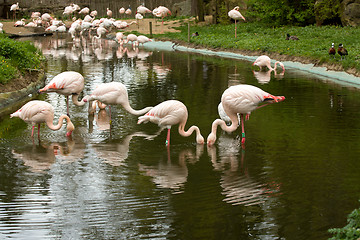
17, 56
351, 231
7, 71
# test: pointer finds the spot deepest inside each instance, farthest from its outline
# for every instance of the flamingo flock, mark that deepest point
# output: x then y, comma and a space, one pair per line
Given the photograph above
236, 105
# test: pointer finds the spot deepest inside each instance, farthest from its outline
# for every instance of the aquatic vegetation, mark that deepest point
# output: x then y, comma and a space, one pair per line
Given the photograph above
351, 230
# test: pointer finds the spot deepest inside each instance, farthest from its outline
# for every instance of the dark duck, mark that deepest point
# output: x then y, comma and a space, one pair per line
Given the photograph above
332, 50
342, 51
288, 37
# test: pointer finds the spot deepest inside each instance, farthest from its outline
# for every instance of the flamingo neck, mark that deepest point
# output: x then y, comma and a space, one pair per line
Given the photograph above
75, 100
53, 127
222, 124
128, 108
182, 132
70, 126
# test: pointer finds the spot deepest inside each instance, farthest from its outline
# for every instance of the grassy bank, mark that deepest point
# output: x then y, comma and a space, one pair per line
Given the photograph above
17, 59
254, 38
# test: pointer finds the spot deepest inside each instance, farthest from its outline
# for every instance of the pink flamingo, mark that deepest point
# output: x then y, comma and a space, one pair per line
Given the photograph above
142, 10
170, 113
143, 39
242, 99
236, 15
14, 8
114, 93
108, 12
265, 61
162, 12
67, 83
36, 112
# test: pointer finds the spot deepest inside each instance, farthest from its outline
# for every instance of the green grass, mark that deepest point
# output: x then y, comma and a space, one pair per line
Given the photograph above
314, 41
17, 58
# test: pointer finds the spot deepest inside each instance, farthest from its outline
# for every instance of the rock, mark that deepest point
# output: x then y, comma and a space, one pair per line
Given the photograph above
351, 13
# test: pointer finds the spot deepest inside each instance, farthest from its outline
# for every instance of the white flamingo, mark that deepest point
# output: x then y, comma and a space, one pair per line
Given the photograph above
169, 113
240, 99
236, 15
37, 112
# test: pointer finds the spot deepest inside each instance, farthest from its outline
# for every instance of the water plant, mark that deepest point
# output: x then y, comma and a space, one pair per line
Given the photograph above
351, 231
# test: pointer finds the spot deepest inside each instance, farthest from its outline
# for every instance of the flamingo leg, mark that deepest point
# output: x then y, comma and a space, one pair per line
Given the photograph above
67, 106
235, 28
167, 142
32, 132
242, 129
39, 130
110, 115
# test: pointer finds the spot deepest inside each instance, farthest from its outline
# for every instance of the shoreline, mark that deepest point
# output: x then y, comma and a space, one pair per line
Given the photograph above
327, 71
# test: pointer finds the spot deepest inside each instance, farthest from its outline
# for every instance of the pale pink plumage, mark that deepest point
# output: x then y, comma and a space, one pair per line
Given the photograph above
242, 99
143, 10
236, 15
108, 12
36, 112
169, 113
114, 93
143, 39
67, 83
265, 61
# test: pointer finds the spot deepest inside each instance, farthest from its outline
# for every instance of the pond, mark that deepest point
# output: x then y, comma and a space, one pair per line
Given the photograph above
295, 177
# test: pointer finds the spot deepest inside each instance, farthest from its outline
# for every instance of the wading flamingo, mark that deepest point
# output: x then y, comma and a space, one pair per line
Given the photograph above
36, 112
67, 83
265, 61
168, 113
242, 99
114, 93
236, 15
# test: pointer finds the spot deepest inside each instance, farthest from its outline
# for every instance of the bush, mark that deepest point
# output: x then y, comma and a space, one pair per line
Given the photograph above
17, 58
351, 231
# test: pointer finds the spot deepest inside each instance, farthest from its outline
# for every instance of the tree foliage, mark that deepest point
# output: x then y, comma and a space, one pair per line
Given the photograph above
282, 12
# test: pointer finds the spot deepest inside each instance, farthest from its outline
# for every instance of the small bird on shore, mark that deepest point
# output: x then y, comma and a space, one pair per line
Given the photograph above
195, 34
342, 51
332, 50
288, 37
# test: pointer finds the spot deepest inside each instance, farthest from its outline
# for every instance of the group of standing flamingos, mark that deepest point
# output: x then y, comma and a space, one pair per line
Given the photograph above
236, 101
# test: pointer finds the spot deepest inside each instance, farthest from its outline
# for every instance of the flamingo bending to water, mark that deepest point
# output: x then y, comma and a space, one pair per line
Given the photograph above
265, 61
114, 93
236, 15
169, 113
242, 99
67, 83
37, 112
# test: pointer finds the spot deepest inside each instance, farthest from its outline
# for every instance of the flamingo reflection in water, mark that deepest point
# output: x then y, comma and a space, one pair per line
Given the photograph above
170, 174
239, 188
116, 152
41, 157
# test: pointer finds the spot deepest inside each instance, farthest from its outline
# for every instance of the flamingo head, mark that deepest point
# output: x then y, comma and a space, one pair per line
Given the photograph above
200, 139
211, 139
271, 98
70, 128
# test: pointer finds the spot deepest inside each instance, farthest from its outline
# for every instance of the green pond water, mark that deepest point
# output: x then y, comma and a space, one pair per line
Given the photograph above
296, 176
